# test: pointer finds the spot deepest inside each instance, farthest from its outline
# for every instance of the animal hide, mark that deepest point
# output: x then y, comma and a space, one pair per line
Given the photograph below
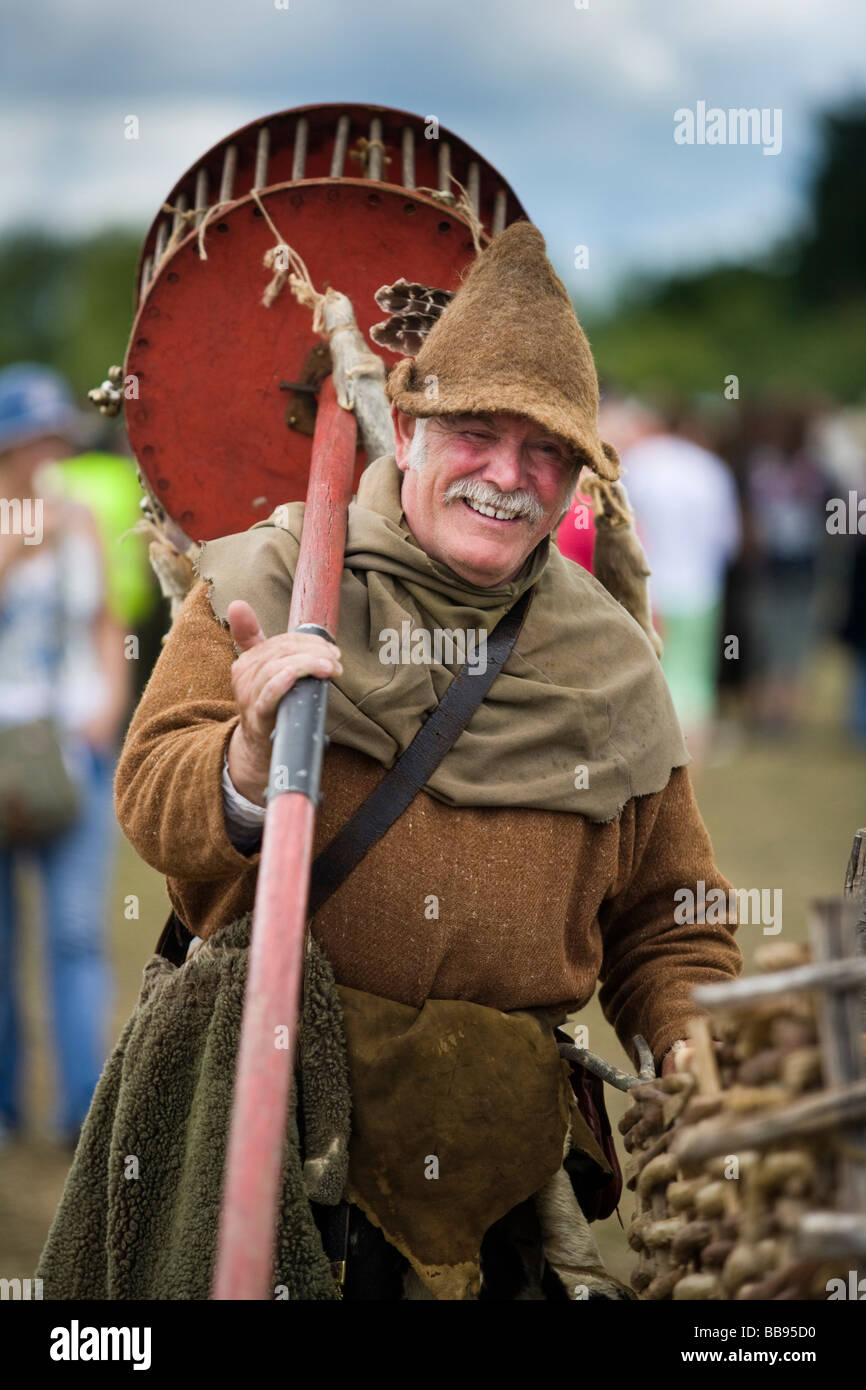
568, 1244
414, 309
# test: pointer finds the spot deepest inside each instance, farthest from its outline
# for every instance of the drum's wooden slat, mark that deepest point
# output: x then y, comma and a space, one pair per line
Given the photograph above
408, 157
160, 244
338, 158
473, 187
263, 150
444, 167
300, 156
201, 189
147, 266
227, 183
375, 163
180, 204
499, 212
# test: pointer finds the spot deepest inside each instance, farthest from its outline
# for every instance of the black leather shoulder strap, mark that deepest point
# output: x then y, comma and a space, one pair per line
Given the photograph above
174, 940
387, 802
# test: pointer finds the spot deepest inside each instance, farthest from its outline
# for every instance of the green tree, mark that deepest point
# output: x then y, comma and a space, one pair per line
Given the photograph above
67, 303
832, 260
791, 322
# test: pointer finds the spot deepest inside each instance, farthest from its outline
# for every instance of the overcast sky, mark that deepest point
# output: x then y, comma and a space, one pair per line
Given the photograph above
574, 106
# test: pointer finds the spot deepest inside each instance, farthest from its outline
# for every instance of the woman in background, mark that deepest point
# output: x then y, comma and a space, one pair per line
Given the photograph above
62, 658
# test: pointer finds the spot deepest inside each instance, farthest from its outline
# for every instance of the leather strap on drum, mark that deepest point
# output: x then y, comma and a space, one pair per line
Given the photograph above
387, 802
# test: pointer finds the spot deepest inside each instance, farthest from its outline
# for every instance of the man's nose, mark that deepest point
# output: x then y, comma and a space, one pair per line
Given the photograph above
505, 468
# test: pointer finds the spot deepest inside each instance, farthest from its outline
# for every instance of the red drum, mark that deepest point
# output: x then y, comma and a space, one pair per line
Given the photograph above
223, 420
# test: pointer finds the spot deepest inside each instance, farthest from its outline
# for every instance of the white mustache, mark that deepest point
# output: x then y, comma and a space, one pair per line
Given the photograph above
518, 504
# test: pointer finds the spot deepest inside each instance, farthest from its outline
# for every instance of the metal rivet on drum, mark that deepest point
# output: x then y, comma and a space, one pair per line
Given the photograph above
163, 484
222, 226
257, 212
142, 343
172, 277
409, 208
333, 194
187, 518
296, 200
148, 450
374, 200
444, 226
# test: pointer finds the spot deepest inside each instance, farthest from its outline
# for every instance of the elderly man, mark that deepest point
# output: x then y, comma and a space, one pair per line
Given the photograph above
541, 855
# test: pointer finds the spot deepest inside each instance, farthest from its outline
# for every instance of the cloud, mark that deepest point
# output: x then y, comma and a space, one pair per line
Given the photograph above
574, 106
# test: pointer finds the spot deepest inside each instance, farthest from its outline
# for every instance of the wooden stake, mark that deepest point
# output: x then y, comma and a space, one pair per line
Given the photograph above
704, 1059
820, 1113
833, 937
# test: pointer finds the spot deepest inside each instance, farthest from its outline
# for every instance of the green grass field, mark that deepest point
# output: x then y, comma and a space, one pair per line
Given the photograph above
780, 815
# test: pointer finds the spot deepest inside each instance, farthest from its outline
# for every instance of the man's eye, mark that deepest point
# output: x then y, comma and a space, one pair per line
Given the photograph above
477, 434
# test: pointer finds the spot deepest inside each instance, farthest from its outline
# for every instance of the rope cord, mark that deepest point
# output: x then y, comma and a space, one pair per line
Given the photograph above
186, 215
362, 153
605, 500
289, 268
286, 265
462, 206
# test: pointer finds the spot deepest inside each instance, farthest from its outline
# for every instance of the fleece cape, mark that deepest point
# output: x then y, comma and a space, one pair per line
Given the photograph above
139, 1213
581, 688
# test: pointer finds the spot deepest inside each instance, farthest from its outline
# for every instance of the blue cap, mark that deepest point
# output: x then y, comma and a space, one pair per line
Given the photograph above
36, 401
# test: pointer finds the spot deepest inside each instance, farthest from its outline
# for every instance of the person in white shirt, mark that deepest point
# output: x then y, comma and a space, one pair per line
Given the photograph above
688, 517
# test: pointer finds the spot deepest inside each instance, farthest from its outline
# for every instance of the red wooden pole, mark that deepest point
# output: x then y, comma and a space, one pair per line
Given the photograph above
266, 1052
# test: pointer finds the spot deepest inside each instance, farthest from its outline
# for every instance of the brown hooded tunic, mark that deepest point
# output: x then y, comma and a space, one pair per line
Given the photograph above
508, 907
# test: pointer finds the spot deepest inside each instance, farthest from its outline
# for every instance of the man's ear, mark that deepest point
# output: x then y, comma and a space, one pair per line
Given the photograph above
578, 469
404, 429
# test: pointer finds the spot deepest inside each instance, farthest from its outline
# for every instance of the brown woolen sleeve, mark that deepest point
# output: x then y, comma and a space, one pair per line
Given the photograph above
651, 960
168, 784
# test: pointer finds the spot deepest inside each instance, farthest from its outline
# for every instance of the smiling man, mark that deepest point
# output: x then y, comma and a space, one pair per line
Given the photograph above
513, 478
539, 858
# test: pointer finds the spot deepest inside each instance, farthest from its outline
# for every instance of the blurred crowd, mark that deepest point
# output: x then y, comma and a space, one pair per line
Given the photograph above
748, 517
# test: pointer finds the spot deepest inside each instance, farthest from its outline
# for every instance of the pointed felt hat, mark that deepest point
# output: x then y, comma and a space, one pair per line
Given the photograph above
510, 341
